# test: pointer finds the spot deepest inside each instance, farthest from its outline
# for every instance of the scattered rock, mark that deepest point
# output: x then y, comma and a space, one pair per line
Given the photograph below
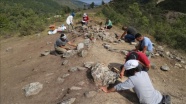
65, 62
73, 69
164, 68
88, 64
182, 61
81, 68
49, 43
9, 49
156, 54
103, 75
160, 48
171, 56
45, 53
66, 75
75, 88
178, 65
124, 52
90, 94
107, 46
61, 80
87, 42
167, 53
68, 101
153, 66
178, 59
32, 88
81, 83
133, 43
69, 53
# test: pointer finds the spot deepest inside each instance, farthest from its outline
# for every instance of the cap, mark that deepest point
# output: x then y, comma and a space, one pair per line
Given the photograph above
130, 64
84, 14
63, 36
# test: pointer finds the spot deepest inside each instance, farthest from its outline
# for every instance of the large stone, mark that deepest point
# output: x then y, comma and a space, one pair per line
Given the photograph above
102, 75
32, 88
90, 94
165, 68
80, 46
68, 101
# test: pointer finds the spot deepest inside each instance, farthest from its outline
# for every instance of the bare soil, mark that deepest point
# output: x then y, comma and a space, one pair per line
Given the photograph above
22, 64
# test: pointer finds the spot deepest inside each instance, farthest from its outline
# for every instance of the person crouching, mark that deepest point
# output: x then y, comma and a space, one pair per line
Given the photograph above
60, 44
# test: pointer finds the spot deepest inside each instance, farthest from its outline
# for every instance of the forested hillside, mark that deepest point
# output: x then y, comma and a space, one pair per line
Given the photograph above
74, 4
26, 17
177, 5
166, 26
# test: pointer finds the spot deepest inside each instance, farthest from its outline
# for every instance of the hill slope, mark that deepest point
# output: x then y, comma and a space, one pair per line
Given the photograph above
74, 4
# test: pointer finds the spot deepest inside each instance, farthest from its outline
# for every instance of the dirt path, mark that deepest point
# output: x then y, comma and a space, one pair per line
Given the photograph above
22, 64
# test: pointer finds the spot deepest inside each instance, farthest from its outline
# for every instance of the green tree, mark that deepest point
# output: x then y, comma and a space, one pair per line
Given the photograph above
92, 5
103, 3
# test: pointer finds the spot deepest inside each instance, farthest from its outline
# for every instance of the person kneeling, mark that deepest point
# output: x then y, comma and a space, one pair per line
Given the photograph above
141, 83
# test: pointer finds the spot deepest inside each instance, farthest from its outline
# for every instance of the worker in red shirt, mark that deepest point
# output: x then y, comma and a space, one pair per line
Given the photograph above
85, 19
141, 57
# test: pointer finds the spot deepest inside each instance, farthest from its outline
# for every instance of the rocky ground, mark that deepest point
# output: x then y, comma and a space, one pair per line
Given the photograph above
32, 74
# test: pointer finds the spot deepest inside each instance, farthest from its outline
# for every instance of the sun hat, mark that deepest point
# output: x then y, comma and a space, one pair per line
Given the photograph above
130, 64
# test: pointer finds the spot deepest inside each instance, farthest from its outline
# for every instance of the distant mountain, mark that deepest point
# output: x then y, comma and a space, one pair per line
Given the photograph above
73, 4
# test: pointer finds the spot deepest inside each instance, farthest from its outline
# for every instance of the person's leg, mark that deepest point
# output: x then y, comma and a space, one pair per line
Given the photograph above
60, 50
109, 27
72, 26
68, 28
129, 38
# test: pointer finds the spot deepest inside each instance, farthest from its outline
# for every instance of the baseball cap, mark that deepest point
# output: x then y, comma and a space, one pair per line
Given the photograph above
130, 64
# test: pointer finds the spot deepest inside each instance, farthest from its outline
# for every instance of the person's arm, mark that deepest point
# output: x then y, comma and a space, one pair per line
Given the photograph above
105, 89
121, 86
122, 72
144, 49
144, 59
70, 43
125, 32
71, 20
137, 47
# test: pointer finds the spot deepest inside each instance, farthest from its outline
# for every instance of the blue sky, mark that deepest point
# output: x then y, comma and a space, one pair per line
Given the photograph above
95, 1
